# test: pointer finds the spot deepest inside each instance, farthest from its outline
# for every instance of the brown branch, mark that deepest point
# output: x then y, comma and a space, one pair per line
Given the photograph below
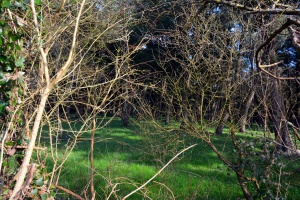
25, 147
276, 12
62, 4
268, 41
272, 65
273, 35
139, 188
231, 4
217, 152
295, 37
30, 175
69, 192
252, 10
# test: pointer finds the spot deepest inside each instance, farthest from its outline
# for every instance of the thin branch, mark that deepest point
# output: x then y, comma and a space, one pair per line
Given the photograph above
271, 65
44, 67
65, 67
131, 193
25, 147
69, 192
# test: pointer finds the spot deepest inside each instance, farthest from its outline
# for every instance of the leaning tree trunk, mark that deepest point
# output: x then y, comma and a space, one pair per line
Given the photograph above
246, 111
282, 134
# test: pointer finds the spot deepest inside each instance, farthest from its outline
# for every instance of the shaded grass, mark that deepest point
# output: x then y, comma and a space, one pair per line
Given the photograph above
128, 158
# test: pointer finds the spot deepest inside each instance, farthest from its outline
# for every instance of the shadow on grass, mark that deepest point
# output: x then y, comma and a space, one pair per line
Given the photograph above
126, 160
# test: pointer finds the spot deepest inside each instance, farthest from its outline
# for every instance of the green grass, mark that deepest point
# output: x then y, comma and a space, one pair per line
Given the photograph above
126, 157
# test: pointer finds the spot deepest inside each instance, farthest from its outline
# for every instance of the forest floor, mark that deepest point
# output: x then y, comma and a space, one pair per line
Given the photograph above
125, 158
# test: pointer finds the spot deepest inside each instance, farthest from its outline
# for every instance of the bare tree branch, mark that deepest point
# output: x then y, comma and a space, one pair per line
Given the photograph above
252, 10
276, 12
288, 23
69, 192
131, 193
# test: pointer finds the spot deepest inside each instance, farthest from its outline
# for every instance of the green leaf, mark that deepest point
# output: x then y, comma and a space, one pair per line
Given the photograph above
52, 193
38, 2
2, 107
21, 122
20, 62
6, 191
44, 196
8, 68
34, 191
2, 59
39, 182
44, 170
2, 81
10, 143
2, 22
17, 47
5, 4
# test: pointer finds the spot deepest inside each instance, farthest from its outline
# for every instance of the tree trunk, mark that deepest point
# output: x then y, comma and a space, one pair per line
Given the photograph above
213, 111
246, 111
219, 130
34, 133
126, 113
282, 135
168, 111
184, 109
266, 118
241, 180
